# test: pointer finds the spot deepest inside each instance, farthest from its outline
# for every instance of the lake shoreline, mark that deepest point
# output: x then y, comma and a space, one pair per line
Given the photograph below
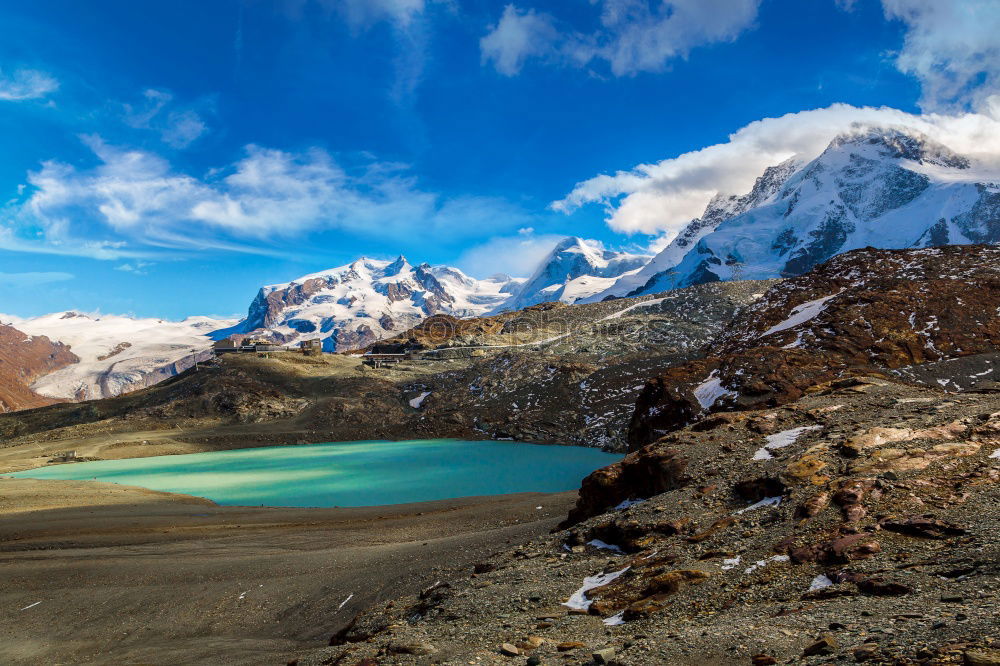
129, 573
348, 474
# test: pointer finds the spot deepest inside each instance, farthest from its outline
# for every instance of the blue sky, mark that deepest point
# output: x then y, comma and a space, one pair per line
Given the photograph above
167, 158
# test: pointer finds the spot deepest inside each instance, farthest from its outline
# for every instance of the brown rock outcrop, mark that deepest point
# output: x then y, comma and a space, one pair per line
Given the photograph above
23, 359
862, 313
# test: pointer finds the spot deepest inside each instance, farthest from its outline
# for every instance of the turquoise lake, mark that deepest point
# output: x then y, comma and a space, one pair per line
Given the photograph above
349, 473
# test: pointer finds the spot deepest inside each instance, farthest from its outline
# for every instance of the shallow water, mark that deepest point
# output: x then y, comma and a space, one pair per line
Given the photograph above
349, 473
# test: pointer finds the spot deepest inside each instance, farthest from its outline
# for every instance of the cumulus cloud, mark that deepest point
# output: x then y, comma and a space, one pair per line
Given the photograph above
518, 36
178, 127
136, 199
24, 84
953, 48
634, 35
660, 198
33, 279
516, 255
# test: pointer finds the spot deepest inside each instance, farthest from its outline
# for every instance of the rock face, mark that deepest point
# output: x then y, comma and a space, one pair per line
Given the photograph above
864, 312
24, 358
355, 305
874, 187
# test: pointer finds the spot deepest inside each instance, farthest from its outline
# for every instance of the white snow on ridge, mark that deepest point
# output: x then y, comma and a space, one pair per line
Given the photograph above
419, 400
579, 600
118, 353
767, 501
780, 440
801, 314
575, 270
711, 390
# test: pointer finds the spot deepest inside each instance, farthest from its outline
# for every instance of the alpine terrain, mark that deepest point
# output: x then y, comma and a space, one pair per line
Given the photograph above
877, 186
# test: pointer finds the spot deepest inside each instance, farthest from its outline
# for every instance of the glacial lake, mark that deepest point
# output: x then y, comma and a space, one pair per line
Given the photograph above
349, 474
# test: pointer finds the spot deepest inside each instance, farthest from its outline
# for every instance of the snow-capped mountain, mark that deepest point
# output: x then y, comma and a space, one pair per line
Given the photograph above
574, 270
118, 354
354, 305
721, 208
878, 187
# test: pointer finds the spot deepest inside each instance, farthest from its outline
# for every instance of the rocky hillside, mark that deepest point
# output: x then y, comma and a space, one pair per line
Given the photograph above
878, 187
556, 373
858, 524
823, 487
862, 313
23, 358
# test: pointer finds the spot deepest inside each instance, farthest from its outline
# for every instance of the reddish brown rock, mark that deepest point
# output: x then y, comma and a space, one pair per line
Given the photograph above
877, 587
814, 505
23, 359
925, 527
644, 473
864, 328
839, 550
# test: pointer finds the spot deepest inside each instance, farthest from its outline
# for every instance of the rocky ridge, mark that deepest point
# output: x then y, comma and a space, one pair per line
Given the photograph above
23, 358
864, 312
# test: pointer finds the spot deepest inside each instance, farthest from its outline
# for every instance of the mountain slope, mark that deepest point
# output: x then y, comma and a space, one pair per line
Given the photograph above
575, 270
511, 375
24, 358
867, 312
656, 275
354, 305
875, 187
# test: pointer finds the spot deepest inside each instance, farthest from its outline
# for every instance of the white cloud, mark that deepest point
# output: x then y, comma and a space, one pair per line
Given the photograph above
177, 127
135, 267
660, 198
516, 37
24, 84
133, 199
953, 48
634, 35
516, 255
33, 279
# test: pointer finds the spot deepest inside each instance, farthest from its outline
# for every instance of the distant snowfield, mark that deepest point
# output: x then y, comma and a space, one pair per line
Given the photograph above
117, 353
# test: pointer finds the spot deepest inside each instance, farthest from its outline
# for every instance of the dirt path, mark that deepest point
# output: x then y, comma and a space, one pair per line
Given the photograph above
95, 573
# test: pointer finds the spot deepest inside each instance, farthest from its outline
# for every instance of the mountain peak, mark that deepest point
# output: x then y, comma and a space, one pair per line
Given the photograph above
570, 242
396, 266
574, 258
897, 143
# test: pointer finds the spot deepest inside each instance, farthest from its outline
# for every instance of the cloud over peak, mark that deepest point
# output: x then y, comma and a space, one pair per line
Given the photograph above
660, 198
